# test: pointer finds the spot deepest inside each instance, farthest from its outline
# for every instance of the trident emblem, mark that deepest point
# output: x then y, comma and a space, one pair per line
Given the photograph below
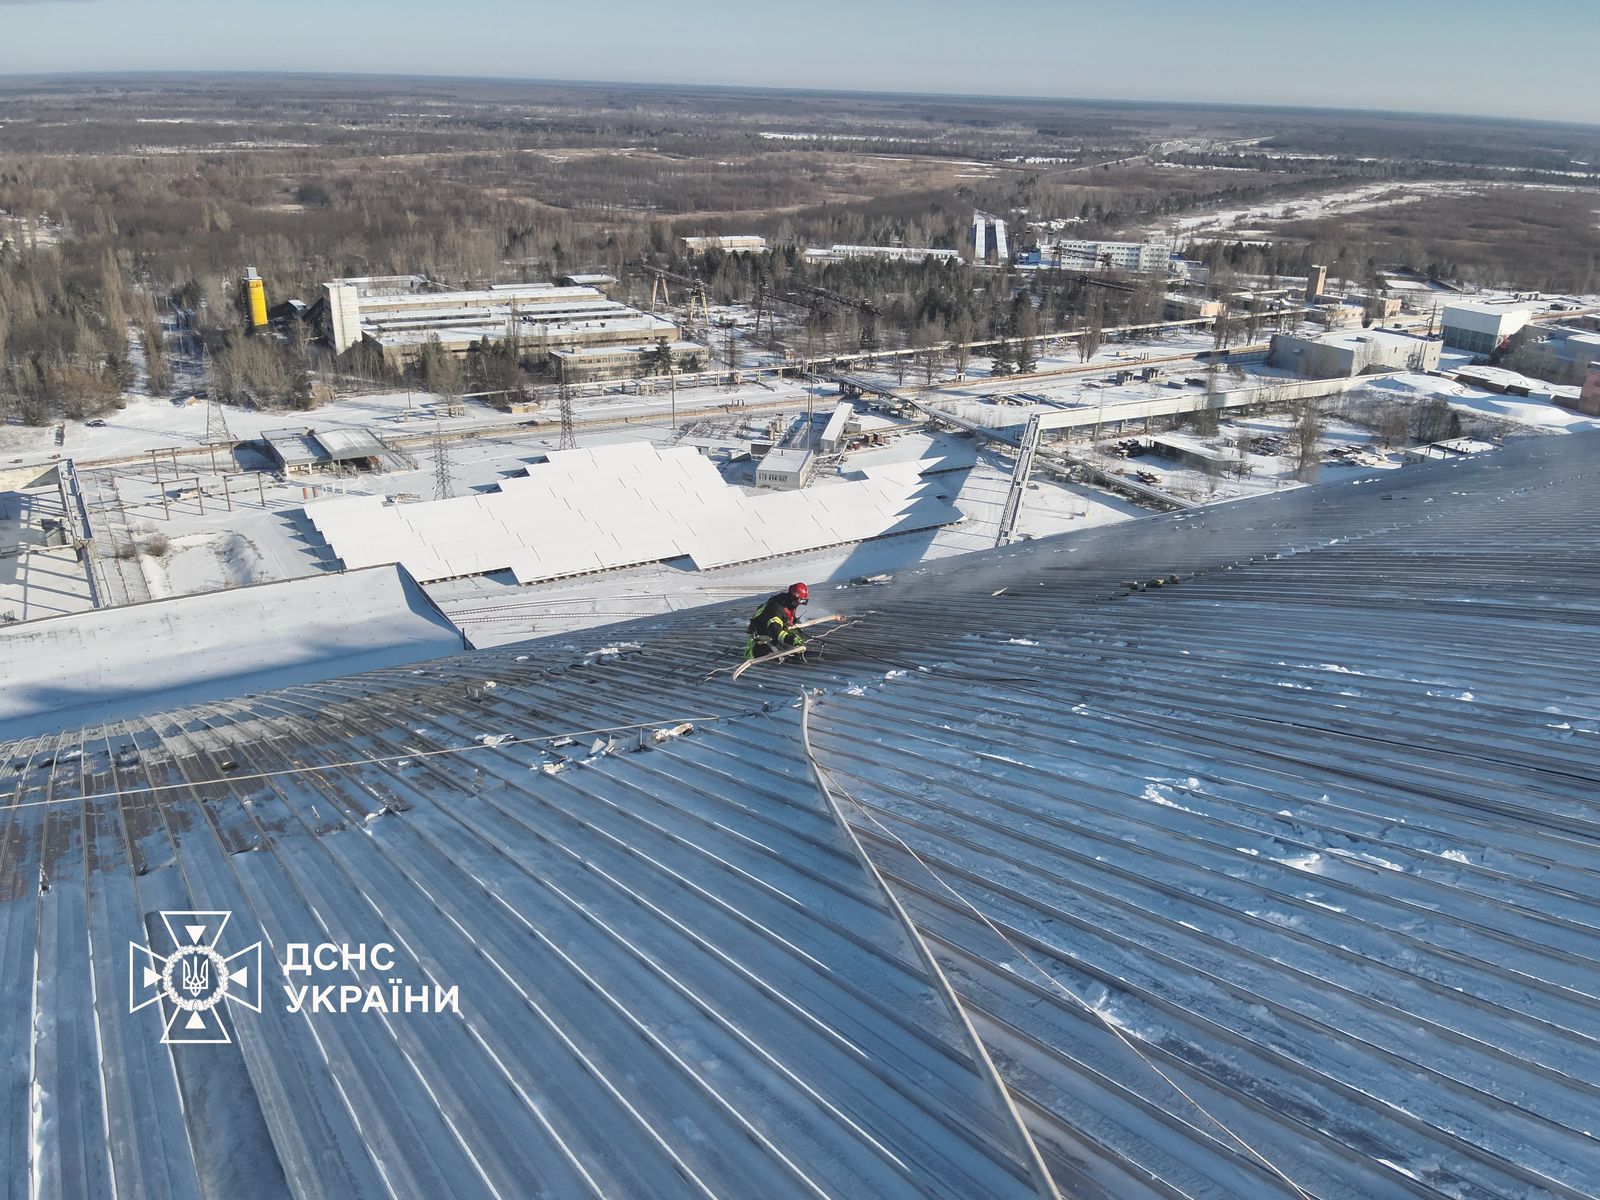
196, 975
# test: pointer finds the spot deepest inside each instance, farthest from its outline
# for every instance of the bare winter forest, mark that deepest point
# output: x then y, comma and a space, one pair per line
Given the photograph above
130, 207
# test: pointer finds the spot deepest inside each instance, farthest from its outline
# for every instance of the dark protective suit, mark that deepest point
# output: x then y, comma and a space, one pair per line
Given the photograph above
773, 628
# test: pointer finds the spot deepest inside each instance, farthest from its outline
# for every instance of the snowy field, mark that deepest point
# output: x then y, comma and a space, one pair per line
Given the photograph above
1521, 411
1255, 220
195, 543
1265, 471
264, 536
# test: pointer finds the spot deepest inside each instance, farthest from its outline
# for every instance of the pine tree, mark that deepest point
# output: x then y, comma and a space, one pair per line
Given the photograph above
1027, 359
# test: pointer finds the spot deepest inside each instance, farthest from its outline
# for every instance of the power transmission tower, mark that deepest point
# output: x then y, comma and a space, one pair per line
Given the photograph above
442, 489
569, 437
216, 423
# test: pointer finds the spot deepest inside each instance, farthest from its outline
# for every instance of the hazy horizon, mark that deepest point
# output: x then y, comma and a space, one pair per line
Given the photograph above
157, 74
1367, 56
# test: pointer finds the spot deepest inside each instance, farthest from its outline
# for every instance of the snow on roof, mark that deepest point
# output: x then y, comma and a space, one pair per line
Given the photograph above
114, 662
1353, 338
345, 443
294, 447
842, 414
628, 321
1493, 308
504, 294
640, 504
1304, 830
580, 354
1312, 830
385, 319
666, 988
782, 459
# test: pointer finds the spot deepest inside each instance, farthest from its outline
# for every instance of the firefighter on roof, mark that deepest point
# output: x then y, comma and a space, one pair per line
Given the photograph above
775, 626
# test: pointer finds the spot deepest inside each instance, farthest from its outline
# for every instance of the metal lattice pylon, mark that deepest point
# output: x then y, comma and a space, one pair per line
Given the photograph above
217, 433
216, 424
442, 489
569, 437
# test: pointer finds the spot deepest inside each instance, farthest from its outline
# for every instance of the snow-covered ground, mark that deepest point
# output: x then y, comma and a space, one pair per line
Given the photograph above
1335, 203
1270, 461
263, 536
493, 613
1255, 220
147, 423
1518, 410
219, 531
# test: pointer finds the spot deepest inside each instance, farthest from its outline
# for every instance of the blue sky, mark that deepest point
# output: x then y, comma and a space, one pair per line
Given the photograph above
1525, 58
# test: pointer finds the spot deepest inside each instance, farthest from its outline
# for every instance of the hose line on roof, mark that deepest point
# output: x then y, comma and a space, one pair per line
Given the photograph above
829, 785
1043, 1181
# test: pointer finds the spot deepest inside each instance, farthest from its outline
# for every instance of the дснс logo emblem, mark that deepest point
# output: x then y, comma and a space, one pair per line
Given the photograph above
195, 978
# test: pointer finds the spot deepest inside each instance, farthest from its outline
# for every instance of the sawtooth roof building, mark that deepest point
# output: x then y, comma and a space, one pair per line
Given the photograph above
1277, 880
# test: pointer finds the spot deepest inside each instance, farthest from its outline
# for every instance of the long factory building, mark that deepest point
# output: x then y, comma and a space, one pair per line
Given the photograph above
399, 314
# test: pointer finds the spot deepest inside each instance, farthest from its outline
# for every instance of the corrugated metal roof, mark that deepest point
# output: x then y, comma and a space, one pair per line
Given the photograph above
1314, 828
1317, 831
675, 977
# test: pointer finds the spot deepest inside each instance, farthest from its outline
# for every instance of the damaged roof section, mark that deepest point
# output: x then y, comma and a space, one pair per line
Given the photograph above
674, 977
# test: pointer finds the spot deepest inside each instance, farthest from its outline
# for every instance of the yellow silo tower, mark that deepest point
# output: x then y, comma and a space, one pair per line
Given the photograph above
256, 288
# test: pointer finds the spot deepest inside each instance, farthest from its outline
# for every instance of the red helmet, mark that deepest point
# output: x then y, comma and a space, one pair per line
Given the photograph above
800, 592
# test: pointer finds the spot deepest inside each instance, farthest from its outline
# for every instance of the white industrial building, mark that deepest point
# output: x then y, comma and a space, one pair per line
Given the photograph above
1086, 255
893, 253
1357, 352
400, 314
745, 243
1482, 326
1556, 353
786, 470
582, 364
1190, 308
989, 232
838, 428
295, 451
